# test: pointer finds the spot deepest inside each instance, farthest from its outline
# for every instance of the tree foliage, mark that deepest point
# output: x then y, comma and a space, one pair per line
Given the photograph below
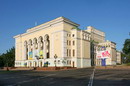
126, 50
8, 58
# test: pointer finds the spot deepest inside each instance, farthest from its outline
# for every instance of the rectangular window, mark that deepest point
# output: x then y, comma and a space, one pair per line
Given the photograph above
73, 42
69, 42
69, 35
67, 52
70, 52
73, 53
73, 35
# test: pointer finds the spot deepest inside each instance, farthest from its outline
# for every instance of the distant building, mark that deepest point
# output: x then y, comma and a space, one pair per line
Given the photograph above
61, 43
97, 37
102, 52
106, 53
118, 54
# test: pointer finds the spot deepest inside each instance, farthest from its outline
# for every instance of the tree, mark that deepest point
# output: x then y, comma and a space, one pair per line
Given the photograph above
1, 61
126, 50
7, 59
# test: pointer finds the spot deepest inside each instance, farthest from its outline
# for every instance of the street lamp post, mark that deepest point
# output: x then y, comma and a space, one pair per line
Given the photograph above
37, 57
55, 59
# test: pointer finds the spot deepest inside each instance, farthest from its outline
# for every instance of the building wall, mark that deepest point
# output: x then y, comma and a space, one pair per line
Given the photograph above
96, 35
65, 42
111, 48
118, 57
70, 44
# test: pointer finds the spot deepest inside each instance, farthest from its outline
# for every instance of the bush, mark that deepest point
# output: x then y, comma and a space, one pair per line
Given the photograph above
118, 64
128, 64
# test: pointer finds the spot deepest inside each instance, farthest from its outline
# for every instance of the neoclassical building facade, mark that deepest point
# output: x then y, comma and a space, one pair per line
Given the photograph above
58, 42
61, 43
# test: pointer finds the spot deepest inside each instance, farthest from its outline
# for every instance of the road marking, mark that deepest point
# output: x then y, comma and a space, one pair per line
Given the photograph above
91, 78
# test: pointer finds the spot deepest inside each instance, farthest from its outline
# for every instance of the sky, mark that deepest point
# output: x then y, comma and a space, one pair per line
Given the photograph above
109, 16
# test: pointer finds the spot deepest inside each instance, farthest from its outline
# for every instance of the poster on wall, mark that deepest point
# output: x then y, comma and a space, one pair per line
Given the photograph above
36, 54
103, 54
30, 55
41, 54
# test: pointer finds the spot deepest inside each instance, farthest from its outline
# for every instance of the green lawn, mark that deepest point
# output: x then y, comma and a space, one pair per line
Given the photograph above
4, 71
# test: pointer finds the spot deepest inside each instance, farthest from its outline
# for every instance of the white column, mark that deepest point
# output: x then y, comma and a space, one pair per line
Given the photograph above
33, 50
32, 63
28, 50
81, 49
45, 49
39, 46
37, 63
25, 52
52, 46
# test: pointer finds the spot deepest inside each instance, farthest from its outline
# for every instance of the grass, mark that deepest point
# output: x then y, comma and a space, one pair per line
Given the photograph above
128, 64
5, 71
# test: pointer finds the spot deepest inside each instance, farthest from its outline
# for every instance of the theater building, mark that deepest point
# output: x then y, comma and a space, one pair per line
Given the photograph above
58, 42
61, 43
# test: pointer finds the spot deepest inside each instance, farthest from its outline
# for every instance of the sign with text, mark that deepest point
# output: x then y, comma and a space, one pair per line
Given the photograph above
103, 54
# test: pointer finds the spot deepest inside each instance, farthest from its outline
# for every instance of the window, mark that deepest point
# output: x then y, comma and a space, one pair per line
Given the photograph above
58, 61
70, 62
70, 52
73, 35
69, 42
69, 35
73, 42
73, 53
67, 52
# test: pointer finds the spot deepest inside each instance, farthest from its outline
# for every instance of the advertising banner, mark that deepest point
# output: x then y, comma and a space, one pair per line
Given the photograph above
41, 54
103, 54
30, 55
36, 54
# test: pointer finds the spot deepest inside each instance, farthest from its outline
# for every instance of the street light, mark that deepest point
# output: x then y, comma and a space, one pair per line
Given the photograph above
55, 59
37, 57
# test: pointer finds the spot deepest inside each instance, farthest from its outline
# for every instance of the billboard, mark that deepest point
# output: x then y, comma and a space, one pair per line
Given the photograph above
103, 54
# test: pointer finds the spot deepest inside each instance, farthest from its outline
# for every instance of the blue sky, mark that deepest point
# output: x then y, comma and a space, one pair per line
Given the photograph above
110, 16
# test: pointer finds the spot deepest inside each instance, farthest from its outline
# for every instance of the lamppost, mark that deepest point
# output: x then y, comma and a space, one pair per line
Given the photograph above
37, 57
55, 59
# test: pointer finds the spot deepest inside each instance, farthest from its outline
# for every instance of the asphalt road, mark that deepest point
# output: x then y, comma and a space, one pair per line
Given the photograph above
112, 77
75, 77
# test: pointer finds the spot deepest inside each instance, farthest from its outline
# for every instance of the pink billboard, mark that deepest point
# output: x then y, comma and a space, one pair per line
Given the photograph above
103, 54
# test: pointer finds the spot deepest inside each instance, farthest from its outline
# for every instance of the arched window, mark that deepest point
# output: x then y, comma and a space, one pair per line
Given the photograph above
35, 43
30, 44
40, 46
30, 49
40, 41
47, 45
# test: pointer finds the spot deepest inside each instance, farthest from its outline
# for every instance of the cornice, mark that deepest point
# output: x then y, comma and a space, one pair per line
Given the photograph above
52, 22
48, 24
17, 36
